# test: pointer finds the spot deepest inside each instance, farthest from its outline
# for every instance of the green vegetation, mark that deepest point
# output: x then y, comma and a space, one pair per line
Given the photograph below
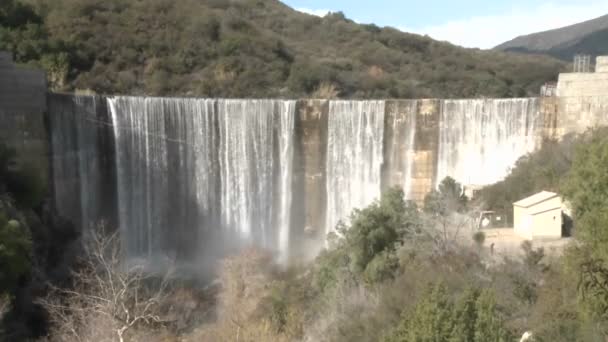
250, 48
15, 251
544, 169
397, 274
23, 32
448, 198
366, 248
15, 244
586, 188
473, 317
15, 238
388, 276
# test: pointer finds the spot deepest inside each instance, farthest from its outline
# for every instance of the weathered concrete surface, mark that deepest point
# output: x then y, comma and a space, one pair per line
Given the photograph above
22, 108
424, 172
577, 114
309, 192
424, 152
601, 64
83, 159
398, 120
549, 110
582, 84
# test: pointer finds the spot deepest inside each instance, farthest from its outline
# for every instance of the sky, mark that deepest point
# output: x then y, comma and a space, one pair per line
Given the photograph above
470, 23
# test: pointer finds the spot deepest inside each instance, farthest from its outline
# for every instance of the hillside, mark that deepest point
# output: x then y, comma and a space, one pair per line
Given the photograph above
589, 37
252, 48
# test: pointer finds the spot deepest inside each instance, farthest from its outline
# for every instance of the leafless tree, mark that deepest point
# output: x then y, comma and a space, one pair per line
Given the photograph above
446, 231
108, 297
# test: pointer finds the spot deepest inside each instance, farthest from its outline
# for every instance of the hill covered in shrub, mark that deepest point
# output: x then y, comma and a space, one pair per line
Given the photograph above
249, 48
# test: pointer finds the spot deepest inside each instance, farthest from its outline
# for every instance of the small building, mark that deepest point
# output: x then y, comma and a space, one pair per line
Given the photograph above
538, 216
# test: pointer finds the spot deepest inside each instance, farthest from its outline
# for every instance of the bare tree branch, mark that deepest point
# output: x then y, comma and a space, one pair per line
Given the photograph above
105, 288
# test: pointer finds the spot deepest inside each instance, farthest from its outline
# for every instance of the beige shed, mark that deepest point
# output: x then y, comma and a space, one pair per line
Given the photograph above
538, 216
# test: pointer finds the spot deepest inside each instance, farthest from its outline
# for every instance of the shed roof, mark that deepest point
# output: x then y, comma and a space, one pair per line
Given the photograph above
535, 199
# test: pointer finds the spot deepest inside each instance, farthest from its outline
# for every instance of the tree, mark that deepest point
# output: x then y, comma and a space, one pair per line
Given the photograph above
367, 246
593, 287
489, 325
109, 298
15, 254
479, 238
20, 181
445, 208
447, 199
473, 317
586, 187
431, 319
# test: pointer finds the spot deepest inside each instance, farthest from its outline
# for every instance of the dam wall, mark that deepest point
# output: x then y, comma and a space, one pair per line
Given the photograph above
22, 107
177, 174
185, 177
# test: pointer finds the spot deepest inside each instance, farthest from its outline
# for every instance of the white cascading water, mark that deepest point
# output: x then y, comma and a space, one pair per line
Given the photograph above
142, 172
480, 140
286, 149
248, 169
355, 136
191, 167
194, 174
75, 160
410, 151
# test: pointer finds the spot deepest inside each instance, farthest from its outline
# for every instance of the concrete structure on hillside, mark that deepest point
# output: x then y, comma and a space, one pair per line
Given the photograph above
585, 83
539, 216
601, 64
581, 101
22, 107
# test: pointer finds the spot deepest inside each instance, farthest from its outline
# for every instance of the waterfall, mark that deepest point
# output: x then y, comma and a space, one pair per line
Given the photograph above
252, 177
410, 151
480, 140
192, 171
190, 179
142, 172
354, 157
286, 148
77, 159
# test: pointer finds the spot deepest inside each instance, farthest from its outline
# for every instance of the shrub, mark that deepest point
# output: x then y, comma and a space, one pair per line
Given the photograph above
15, 254
474, 316
479, 238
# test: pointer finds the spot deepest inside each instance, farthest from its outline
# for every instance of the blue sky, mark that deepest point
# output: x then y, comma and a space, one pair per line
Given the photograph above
470, 23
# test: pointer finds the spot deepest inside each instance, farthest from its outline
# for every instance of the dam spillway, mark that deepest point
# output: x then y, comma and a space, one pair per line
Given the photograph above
182, 177
480, 140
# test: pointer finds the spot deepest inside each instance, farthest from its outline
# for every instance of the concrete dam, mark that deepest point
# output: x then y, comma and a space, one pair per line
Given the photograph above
191, 178
185, 177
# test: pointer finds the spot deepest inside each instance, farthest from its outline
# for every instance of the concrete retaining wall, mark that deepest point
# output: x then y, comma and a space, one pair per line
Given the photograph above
601, 64
22, 108
582, 84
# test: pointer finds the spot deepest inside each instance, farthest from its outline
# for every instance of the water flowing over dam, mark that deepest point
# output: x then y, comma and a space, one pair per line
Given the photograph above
190, 169
188, 178
479, 140
355, 135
